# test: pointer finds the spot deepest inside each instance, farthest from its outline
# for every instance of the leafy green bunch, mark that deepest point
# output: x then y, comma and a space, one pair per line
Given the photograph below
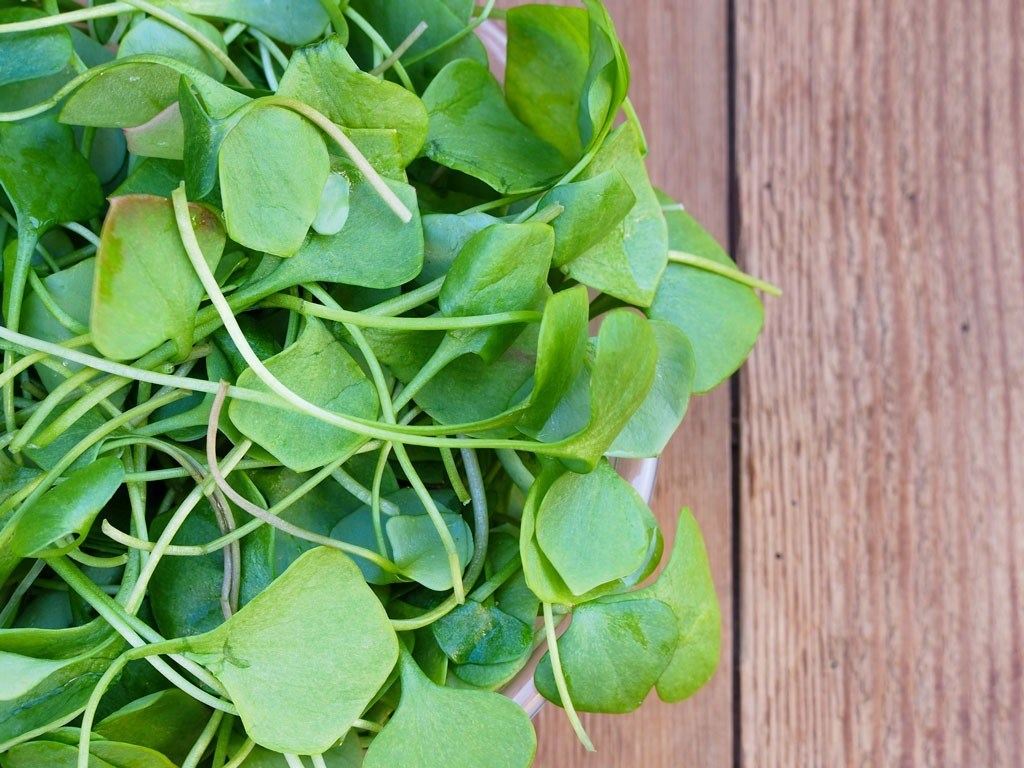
320, 344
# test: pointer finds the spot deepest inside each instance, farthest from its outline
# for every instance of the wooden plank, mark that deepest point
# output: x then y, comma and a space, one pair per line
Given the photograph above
678, 50
881, 162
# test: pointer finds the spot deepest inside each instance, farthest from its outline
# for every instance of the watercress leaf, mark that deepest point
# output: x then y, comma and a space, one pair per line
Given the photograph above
50, 455
48, 675
132, 91
541, 576
561, 349
482, 634
162, 136
622, 375
71, 290
185, 592
472, 130
395, 19
629, 261
154, 36
334, 205
152, 176
612, 654
608, 75
661, 413
325, 77
102, 754
295, 692
602, 510
454, 728
62, 517
721, 317
318, 368
419, 552
294, 22
374, 249
348, 755
32, 54
593, 208
168, 722
444, 235
145, 289
501, 269
686, 587
46, 178
548, 60
272, 155
469, 389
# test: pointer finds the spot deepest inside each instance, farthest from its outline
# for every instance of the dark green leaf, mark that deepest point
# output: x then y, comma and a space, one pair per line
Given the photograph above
473, 131
155, 37
482, 634
294, 22
593, 208
34, 54
168, 722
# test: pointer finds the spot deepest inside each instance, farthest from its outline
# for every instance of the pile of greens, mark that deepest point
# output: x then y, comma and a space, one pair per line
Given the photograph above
308, 436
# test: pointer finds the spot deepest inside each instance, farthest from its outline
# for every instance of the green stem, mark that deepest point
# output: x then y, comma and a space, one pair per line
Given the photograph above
400, 49
725, 270
380, 44
220, 751
334, 13
454, 478
62, 19
27, 240
457, 37
195, 755
560, 684
516, 470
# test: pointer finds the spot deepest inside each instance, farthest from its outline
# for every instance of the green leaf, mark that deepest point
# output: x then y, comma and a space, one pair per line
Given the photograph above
45, 176
294, 22
145, 290
325, 77
548, 60
721, 317
348, 755
395, 19
273, 168
334, 205
33, 54
438, 726
608, 76
102, 754
482, 634
185, 592
168, 722
686, 587
49, 456
318, 369
48, 675
501, 269
659, 416
444, 235
155, 37
472, 130
152, 176
612, 654
418, 550
62, 517
374, 249
295, 692
629, 261
594, 528
593, 208
622, 376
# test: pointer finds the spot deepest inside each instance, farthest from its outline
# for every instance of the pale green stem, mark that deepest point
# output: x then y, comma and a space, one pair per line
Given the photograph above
71, 17
516, 470
560, 684
195, 755
380, 44
457, 37
400, 49
708, 265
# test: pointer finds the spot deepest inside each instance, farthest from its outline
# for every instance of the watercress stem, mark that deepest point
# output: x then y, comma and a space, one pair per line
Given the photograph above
195, 755
69, 17
559, 675
516, 470
334, 13
380, 44
400, 50
708, 265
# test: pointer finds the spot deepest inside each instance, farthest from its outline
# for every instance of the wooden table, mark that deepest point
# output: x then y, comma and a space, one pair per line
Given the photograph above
861, 487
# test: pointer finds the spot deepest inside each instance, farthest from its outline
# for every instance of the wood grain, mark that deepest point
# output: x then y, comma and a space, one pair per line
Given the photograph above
678, 53
881, 149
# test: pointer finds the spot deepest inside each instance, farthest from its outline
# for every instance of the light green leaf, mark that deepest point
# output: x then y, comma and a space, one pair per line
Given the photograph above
145, 289
273, 168
62, 517
612, 654
318, 369
334, 205
686, 587
437, 726
293, 22
444, 235
629, 261
594, 528
593, 208
154, 36
652, 426
418, 551
722, 318
472, 130
326, 78
304, 659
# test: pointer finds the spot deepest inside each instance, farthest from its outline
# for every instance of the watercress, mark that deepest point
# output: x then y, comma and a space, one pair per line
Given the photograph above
320, 345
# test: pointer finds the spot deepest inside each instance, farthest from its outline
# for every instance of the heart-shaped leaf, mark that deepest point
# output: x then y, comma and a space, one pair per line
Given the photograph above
145, 289
454, 728
303, 660
319, 369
